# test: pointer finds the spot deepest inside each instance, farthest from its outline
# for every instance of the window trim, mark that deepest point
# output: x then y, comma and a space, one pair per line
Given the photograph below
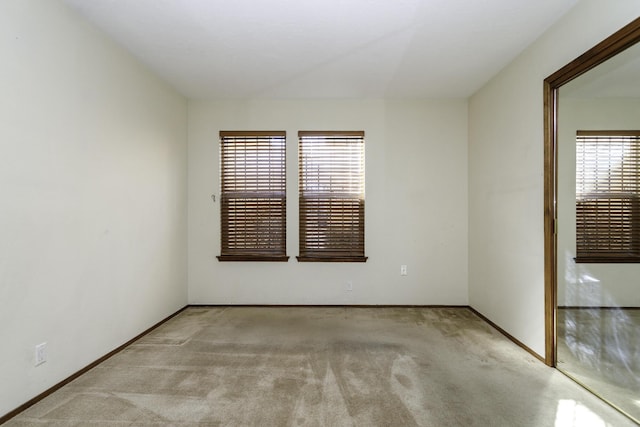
259, 256
315, 256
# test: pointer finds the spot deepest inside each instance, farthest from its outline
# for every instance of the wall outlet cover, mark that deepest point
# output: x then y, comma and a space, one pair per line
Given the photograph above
41, 353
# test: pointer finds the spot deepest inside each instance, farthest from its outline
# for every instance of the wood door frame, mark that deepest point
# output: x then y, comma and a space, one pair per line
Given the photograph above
611, 46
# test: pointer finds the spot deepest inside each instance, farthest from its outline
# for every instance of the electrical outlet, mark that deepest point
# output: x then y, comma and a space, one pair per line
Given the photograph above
403, 270
349, 285
41, 354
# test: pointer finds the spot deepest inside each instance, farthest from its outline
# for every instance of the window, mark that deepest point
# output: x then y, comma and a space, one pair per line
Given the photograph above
607, 198
331, 195
253, 196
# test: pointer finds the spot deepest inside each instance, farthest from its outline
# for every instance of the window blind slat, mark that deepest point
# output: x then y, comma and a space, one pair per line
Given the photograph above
253, 194
607, 196
331, 195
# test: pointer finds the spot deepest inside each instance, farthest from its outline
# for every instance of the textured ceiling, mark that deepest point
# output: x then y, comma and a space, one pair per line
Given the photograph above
324, 48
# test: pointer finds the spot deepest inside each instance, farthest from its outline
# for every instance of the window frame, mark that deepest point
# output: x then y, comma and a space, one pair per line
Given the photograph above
346, 238
608, 220
254, 198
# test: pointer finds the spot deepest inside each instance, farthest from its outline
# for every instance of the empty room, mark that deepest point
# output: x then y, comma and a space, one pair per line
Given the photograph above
319, 213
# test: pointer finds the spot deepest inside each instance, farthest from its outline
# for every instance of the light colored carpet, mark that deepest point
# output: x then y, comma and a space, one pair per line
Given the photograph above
304, 366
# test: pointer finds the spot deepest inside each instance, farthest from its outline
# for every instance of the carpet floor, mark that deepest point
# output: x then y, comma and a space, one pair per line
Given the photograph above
322, 366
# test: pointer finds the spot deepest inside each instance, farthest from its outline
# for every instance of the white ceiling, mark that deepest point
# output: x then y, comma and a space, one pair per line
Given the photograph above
324, 48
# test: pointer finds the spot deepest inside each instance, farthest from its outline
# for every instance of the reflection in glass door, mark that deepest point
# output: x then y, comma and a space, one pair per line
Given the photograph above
598, 242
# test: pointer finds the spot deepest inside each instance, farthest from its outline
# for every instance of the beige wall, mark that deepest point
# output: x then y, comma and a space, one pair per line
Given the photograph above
589, 284
93, 185
506, 254
416, 204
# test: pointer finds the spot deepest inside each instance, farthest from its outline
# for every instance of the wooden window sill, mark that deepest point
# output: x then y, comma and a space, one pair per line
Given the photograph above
332, 259
607, 260
260, 258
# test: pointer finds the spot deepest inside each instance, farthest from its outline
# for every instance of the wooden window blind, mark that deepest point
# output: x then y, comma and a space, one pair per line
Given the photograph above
607, 196
331, 196
253, 196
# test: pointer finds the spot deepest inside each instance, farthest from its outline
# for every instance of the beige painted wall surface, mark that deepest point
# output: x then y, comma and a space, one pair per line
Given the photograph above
506, 253
93, 185
416, 204
589, 284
